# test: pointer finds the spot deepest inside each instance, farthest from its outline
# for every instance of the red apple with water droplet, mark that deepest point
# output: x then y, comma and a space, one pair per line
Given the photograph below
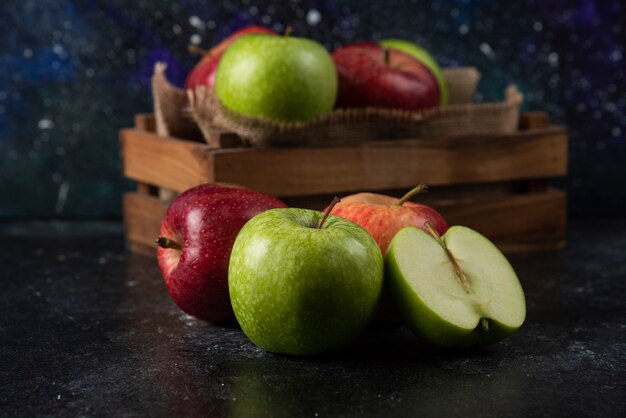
203, 74
197, 236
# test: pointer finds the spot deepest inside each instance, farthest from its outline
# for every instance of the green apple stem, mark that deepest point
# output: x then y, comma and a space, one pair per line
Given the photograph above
420, 188
461, 277
194, 49
484, 324
327, 212
386, 55
164, 242
288, 31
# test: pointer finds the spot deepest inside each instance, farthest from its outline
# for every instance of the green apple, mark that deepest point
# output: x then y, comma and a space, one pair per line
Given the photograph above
455, 291
278, 77
425, 57
300, 289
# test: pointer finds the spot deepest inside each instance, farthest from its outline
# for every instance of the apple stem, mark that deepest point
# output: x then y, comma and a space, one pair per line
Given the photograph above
386, 56
461, 277
484, 323
327, 212
288, 31
194, 49
420, 188
164, 242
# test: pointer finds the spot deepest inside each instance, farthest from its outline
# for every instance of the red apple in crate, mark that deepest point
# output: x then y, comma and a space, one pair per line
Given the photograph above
203, 74
197, 235
371, 75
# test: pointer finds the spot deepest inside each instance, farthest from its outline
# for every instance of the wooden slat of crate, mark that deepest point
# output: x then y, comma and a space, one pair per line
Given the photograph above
517, 222
178, 165
533, 120
169, 163
395, 164
520, 222
143, 214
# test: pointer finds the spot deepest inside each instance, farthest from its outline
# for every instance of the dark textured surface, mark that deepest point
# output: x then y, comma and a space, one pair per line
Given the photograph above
72, 73
88, 329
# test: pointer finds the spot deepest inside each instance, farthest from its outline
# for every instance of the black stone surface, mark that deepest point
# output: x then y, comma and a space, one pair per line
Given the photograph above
87, 329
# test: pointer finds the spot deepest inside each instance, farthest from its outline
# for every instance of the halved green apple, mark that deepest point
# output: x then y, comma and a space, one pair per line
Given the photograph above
455, 291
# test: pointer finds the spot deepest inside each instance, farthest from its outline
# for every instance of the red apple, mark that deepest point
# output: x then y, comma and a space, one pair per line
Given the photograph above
203, 74
383, 216
197, 235
371, 75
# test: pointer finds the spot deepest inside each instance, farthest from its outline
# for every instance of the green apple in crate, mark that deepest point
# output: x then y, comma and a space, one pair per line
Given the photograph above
455, 290
425, 58
302, 282
203, 74
282, 78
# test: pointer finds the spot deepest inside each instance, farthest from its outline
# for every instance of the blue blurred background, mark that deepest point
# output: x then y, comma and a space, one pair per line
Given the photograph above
72, 73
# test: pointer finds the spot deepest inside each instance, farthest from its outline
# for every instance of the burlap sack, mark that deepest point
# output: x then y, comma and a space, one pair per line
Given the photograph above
462, 83
342, 126
170, 107
470, 119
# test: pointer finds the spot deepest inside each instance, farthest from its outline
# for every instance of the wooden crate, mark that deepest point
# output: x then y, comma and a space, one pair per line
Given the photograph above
497, 185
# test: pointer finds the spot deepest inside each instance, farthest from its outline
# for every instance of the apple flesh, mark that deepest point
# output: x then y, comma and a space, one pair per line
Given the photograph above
426, 58
373, 76
301, 289
197, 234
281, 78
203, 74
455, 290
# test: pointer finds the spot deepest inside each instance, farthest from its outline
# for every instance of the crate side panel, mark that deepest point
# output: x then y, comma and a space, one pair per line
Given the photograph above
142, 219
528, 221
169, 163
395, 164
